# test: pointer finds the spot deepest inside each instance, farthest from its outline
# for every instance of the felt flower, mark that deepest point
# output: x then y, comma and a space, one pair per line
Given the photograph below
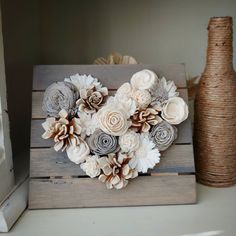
58, 96
144, 79
146, 156
91, 166
174, 110
163, 135
101, 143
129, 142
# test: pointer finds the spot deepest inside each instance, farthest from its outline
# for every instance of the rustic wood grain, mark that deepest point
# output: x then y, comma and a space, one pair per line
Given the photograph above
184, 134
55, 182
112, 76
45, 162
37, 98
87, 192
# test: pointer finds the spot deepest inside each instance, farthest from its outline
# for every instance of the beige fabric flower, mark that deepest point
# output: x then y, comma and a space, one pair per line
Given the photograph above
116, 170
142, 120
144, 79
175, 110
129, 142
91, 100
113, 119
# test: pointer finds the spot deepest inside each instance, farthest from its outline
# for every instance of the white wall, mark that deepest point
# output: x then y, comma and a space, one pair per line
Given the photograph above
154, 31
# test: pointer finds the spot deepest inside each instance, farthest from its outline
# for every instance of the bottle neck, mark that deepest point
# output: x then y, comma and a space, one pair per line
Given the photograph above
220, 47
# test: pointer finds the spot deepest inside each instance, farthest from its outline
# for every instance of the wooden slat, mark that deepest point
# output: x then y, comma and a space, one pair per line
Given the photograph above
184, 134
86, 192
112, 76
37, 98
45, 162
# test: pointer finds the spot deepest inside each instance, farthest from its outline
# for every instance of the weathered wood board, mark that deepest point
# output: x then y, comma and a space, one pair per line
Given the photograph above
56, 182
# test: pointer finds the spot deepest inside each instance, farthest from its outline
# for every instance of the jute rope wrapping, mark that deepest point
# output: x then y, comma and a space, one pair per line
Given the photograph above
215, 111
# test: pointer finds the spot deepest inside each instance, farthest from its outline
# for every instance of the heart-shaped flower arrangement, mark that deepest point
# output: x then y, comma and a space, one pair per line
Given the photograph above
113, 137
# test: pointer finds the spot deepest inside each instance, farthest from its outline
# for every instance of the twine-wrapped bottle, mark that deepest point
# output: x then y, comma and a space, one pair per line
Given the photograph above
215, 111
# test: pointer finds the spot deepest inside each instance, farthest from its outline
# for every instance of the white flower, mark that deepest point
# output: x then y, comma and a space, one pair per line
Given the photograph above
83, 81
125, 90
127, 103
78, 152
146, 156
142, 97
113, 119
88, 123
91, 166
144, 79
162, 91
175, 110
129, 142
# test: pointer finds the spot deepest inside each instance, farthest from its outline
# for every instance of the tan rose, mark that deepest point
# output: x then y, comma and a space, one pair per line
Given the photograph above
113, 119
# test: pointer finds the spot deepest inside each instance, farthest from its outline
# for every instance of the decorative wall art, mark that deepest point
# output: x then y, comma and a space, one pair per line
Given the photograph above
107, 133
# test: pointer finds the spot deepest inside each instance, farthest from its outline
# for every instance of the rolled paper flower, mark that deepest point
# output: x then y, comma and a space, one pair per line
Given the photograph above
144, 79
163, 135
101, 143
175, 110
58, 96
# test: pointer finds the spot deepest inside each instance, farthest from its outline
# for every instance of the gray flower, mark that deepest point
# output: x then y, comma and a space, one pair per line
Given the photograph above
58, 96
101, 143
163, 135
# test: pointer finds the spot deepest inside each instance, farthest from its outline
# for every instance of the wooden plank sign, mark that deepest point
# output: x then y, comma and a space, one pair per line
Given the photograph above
56, 182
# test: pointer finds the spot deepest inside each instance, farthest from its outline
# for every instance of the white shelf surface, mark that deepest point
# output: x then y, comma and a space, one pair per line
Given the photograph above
215, 211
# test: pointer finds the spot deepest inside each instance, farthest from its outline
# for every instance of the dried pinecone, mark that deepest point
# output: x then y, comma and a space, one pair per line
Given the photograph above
116, 170
91, 100
143, 119
63, 131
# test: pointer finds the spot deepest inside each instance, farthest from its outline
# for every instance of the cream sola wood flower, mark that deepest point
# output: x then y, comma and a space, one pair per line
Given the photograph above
126, 92
66, 135
113, 118
129, 142
116, 170
174, 110
146, 156
92, 95
91, 166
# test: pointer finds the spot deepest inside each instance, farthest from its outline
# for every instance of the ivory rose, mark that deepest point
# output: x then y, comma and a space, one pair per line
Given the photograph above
175, 110
113, 119
144, 79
